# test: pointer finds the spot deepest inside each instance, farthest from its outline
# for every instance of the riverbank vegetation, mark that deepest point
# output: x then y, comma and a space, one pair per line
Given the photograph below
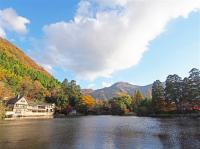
179, 95
174, 96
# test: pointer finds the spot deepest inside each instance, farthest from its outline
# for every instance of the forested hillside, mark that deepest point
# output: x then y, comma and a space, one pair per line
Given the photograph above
12, 51
21, 75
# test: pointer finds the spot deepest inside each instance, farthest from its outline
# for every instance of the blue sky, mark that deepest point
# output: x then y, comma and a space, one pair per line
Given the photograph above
174, 49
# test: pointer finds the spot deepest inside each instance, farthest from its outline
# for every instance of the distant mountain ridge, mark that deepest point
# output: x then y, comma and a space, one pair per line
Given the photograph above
119, 87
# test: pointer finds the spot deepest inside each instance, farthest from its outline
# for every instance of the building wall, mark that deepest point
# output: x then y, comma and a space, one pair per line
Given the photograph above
22, 109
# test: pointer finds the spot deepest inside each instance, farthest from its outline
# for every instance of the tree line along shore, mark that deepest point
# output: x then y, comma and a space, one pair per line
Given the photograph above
174, 97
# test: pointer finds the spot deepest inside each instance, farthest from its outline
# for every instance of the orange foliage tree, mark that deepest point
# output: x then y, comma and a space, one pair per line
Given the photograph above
88, 100
86, 103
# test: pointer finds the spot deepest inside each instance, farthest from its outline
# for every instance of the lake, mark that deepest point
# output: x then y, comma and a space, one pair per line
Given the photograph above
101, 132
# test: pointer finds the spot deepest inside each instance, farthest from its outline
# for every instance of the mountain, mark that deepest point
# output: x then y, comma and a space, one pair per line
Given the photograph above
119, 87
87, 91
19, 72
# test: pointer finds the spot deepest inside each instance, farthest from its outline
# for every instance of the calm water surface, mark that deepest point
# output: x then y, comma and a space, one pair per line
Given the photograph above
101, 132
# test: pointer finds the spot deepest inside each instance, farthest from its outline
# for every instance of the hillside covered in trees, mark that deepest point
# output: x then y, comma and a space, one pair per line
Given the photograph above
21, 75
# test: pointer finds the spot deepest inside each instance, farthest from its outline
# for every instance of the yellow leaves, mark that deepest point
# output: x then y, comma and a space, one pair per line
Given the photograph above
88, 101
6, 74
2, 76
138, 96
26, 85
31, 89
37, 86
4, 91
3, 73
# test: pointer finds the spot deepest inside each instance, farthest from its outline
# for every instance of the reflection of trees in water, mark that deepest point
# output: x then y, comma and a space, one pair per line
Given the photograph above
64, 133
23, 135
95, 133
40, 134
136, 133
126, 139
189, 133
180, 133
101, 132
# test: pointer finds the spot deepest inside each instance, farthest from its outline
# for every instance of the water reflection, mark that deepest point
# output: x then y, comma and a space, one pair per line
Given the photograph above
180, 133
100, 132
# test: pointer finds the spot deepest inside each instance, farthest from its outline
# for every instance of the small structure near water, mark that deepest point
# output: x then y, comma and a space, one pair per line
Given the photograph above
19, 107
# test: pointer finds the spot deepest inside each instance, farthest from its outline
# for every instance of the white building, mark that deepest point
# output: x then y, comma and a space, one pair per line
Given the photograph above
19, 107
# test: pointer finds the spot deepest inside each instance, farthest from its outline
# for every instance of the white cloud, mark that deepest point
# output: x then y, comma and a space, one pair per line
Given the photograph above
106, 84
11, 21
106, 36
109, 3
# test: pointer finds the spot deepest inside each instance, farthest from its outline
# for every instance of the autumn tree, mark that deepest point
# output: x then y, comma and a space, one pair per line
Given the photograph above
37, 92
127, 100
57, 96
102, 107
2, 75
4, 91
118, 107
25, 87
121, 104
85, 104
137, 98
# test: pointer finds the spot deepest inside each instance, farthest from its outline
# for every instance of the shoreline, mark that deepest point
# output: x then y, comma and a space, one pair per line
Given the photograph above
192, 115
31, 117
188, 115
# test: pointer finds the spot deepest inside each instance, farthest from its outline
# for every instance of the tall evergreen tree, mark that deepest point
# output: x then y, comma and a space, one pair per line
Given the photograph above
186, 89
65, 83
73, 91
157, 91
173, 89
194, 83
158, 95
